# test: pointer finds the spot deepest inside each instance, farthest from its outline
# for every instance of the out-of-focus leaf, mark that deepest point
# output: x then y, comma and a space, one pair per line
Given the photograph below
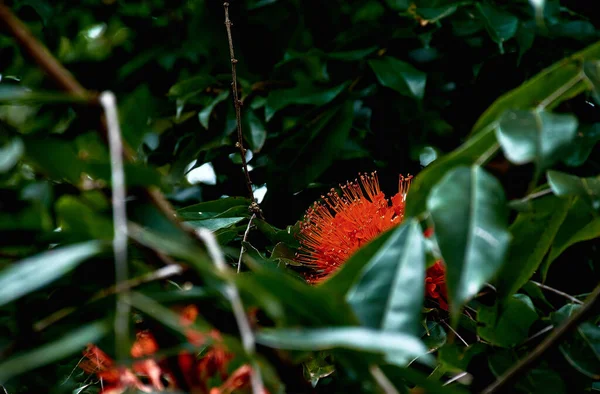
534, 136
501, 25
581, 348
79, 220
135, 174
71, 342
10, 154
579, 225
591, 70
215, 224
565, 185
397, 348
317, 368
585, 140
55, 158
533, 233
19, 95
209, 209
302, 94
188, 88
469, 212
37, 271
389, 293
400, 76
434, 336
506, 324
204, 115
134, 112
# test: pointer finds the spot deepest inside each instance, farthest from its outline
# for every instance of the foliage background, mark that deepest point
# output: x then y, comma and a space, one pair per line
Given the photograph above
330, 89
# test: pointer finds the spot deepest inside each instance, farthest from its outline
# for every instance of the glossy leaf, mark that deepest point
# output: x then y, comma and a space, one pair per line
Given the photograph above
533, 136
389, 292
506, 324
397, 348
209, 209
469, 213
215, 224
71, 342
501, 25
565, 185
533, 233
582, 146
10, 154
400, 76
37, 271
582, 348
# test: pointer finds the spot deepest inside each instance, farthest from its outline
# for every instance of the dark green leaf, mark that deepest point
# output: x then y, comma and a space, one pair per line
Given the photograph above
303, 94
209, 209
434, 336
469, 212
591, 70
400, 76
506, 324
37, 271
565, 185
190, 87
134, 112
501, 25
534, 136
204, 115
215, 224
78, 219
19, 95
586, 139
58, 159
397, 348
71, 342
389, 293
582, 347
533, 233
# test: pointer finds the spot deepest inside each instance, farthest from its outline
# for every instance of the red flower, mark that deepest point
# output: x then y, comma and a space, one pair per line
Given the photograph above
334, 229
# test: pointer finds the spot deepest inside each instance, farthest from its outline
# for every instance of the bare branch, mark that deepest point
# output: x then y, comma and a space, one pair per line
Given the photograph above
511, 376
232, 293
244, 240
382, 380
556, 291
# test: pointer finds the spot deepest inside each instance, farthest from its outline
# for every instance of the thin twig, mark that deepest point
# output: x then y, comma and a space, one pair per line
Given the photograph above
244, 240
511, 376
556, 291
109, 104
455, 333
237, 103
241, 318
382, 380
455, 378
536, 335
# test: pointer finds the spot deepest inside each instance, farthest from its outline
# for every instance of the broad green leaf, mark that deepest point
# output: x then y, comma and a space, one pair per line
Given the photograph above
341, 281
71, 342
302, 94
215, 224
190, 87
533, 233
209, 209
434, 335
134, 111
400, 76
469, 213
204, 115
37, 271
389, 293
397, 348
591, 70
19, 95
579, 225
79, 220
501, 25
10, 154
57, 159
565, 185
254, 131
506, 324
585, 140
275, 235
535, 136
582, 347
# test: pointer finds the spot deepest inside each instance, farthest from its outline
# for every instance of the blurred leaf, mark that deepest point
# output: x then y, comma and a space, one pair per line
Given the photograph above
135, 110
591, 70
37, 271
135, 174
254, 131
582, 347
585, 140
77, 219
389, 293
209, 209
400, 76
501, 25
10, 154
71, 342
302, 94
317, 368
434, 336
565, 185
533, 233
215, 224
188, 88
55, 158
397, 348
19, 95
469, 213
579, 225
204, 115
506, 324
534, 136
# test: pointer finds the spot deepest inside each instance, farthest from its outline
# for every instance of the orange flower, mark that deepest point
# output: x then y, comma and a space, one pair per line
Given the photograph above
334, 229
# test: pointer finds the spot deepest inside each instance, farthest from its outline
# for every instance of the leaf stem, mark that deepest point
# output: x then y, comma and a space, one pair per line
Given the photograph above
556, 291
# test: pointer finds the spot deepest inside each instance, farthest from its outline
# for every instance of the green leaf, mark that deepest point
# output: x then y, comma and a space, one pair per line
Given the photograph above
535, 136
209, 209
469, 213
58, 159
585, 140
389, 293
434, 336
581, 348
533, 233
302, 94
591, 71
501, 25
10, 154
506, 324
79, 220
190, 87
397, 348
204, 115
400, 76
71, 342
254, 131
37, 271
134, 111
579, 225
565, 185
215, 224
19, 95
